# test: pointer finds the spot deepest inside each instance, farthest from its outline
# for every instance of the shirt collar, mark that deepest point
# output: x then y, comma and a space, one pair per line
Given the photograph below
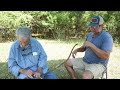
30, 43
97, 34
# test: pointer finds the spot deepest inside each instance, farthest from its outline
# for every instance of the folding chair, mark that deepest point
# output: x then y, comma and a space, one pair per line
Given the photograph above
104, 74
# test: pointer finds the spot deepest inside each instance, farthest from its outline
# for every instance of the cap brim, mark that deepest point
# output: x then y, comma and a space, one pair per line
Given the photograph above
93, 25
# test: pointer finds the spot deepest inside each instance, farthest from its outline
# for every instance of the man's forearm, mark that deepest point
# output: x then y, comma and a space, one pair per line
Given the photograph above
81, 49
100, 53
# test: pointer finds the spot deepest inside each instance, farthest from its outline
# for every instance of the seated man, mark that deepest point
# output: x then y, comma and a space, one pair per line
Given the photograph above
97, 47
27, 58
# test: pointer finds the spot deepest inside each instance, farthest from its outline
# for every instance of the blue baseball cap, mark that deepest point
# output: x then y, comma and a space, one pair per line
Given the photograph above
96, 21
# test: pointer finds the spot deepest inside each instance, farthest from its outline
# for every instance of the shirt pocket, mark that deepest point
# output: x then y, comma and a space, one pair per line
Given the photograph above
35, 58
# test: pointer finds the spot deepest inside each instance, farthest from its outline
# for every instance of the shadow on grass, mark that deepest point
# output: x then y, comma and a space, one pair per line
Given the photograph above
61, 72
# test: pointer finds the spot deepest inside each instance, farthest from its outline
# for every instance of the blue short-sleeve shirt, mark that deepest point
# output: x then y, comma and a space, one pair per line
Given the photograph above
103, 41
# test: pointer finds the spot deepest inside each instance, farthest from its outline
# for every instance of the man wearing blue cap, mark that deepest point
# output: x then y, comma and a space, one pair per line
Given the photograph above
97, 47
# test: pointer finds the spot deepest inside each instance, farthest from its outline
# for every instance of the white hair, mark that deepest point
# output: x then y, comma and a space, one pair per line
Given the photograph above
24, 32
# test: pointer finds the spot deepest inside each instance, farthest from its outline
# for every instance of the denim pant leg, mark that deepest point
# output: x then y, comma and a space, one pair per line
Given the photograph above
50, 75
22, 76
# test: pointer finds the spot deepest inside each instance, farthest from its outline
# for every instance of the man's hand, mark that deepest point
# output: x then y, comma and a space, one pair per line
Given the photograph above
36, 74
88, 44
74, 53
28, 72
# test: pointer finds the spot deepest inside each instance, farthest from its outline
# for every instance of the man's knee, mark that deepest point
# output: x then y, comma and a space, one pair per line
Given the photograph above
68, 63
88, 75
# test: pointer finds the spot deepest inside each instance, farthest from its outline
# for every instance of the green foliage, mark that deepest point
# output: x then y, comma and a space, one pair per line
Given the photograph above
57, 24
14, 19
9, 21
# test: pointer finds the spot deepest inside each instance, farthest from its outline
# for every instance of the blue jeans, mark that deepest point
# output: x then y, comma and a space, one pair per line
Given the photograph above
50, 75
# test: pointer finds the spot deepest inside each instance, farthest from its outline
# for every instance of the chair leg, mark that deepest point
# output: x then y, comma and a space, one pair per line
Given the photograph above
104, 73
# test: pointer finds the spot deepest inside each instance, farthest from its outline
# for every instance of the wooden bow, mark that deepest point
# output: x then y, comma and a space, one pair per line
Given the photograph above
66, 59
62, 62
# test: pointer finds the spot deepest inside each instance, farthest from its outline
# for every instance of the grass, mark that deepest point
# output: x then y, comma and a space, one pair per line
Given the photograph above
58, 51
